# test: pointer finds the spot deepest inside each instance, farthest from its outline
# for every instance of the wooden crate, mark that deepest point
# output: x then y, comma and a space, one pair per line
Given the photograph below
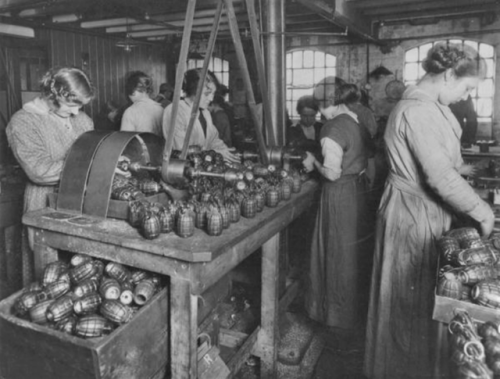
445, 309
136, 350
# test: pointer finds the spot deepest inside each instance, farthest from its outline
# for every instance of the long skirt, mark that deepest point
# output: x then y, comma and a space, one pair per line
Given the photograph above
402, 340
341, 254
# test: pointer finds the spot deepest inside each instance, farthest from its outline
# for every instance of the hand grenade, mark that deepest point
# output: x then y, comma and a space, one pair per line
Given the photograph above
464, 234
296, 183
240, 185
476, 273
87, 286
225, 217
149, 187
127, 294
110, 289
87, 304
272, 197
449, 286
185, 224
84, 271
38, 313
60, 309
150, 226
479, 255
117, 271
66, 325
25, 302
200, 216
249, 207
144, 291
99, 268
52, 272
261, 171
53, 291
93, 326
138, 276
472, 244
286, 190
447, 245
78, 259
260, 199
115, 311
487, 293
166, 221
234, 211
214, 223
136, 212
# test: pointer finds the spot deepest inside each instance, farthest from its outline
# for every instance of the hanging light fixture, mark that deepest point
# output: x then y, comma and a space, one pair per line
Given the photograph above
128, 43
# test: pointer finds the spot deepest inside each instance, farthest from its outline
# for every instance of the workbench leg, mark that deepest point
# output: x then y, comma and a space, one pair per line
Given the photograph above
268, 335
184, 328
42, 254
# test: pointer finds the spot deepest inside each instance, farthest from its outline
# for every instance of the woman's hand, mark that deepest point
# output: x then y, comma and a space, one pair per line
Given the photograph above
467, 170
487, 225
309, 162
228, 155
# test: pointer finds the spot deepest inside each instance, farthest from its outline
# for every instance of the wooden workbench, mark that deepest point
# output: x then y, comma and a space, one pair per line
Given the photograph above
193, 265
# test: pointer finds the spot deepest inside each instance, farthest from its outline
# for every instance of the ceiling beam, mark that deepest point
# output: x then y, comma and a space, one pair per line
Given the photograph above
463, 12
343, 15
435, 6
368, 4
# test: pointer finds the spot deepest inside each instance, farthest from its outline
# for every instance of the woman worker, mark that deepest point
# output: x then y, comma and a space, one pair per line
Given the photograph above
424, 187
337, 289
204, 133
145, 114
42, 132
305, 134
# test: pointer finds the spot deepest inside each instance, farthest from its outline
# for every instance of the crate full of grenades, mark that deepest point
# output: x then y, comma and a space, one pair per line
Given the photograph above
213, 202
468, 275
86, 319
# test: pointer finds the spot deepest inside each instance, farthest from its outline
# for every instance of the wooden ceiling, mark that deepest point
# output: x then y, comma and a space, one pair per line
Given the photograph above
153, 21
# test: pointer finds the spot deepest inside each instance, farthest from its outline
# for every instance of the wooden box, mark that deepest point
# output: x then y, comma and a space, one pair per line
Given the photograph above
136, 350
446, 307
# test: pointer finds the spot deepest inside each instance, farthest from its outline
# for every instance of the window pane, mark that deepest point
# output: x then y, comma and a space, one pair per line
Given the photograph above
319, 73
302, 78
331, 71
411, 55
289, 60
330, 60
297, 59
486, 51
308, 58
411, 71
484, 108
485, 88
490, 68
288, 76
472, 44
456, 41
225, 65
422, 50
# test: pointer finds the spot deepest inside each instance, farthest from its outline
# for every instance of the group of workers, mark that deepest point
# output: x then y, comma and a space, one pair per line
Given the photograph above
378, 276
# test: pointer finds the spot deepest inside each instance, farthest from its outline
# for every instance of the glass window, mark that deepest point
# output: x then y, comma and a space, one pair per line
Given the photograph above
219, 67
305, 68
482, 96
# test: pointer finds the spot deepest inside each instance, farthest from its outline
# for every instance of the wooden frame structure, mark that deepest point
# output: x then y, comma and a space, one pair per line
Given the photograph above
193, 265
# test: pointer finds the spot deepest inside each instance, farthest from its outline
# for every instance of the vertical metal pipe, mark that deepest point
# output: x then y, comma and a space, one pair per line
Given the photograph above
275, 58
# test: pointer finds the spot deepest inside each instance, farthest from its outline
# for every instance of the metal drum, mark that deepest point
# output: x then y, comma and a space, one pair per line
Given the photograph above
89, 168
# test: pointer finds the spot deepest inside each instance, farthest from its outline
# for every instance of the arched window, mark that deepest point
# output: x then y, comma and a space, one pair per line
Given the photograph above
305, 68
482, 96
219, 67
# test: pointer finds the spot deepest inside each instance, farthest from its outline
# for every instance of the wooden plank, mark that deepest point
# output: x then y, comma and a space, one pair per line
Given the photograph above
198, 248
13, 244
130, 257
183, 342
268, 341
43, 254
238, 359
4, 282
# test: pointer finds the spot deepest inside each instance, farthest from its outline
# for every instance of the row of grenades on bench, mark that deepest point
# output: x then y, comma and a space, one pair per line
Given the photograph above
470, 268
86, 298
213, 209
